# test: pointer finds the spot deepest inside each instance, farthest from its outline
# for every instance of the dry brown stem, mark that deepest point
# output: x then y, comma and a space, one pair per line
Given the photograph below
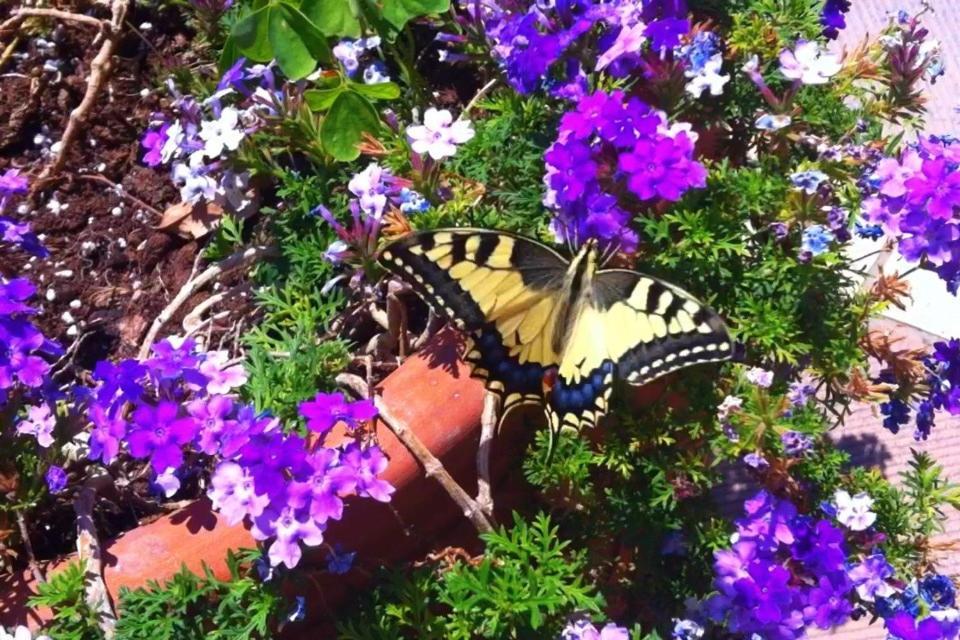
434, 468
194, 283
91, 557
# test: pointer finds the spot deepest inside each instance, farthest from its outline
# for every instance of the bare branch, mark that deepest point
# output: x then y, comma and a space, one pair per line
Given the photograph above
19, 15
90, 555
194, 283
99, 71
488, 428
434, 468
28, 547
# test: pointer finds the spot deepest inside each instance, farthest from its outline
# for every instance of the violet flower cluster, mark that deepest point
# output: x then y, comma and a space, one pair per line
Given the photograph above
289, 487
375, 190
925, 609
198, 141
177, 398
541, 45
941, 392
785, 572
25, 352
180, 400
612, 154
914, 197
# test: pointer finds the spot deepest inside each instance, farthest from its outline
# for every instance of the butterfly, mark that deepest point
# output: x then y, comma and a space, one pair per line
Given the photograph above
546, 330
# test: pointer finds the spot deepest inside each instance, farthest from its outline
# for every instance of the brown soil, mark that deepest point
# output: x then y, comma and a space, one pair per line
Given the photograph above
105, 253
110, 272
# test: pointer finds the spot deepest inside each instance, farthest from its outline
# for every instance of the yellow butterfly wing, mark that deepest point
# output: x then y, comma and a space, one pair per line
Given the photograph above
502, 289
635, 328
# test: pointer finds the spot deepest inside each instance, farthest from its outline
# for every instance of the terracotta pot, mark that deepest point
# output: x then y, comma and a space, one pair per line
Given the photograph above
432, 392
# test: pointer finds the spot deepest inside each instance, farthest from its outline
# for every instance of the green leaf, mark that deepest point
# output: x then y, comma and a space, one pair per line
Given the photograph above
342, 130
379, 91
297, 43
250, 35
333, 17
229, 55
399, 12
321, 99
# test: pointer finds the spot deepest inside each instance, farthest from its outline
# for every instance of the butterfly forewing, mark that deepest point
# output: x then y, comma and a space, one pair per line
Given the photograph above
502, 289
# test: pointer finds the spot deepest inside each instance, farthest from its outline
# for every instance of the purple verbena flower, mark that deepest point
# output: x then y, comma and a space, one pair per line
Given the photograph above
159, 433
56, 479
326, 409
39, 423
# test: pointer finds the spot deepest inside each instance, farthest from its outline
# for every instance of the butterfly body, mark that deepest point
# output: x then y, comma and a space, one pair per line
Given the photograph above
551, 331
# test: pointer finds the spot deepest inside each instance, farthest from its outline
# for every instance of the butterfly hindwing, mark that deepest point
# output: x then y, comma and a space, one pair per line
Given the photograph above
635, 328
502, 289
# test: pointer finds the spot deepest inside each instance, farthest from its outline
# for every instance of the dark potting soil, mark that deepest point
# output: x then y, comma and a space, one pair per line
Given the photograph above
110, 272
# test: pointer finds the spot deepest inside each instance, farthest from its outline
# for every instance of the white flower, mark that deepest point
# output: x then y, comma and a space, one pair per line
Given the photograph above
808, 64
171, 146
730, 404
439, 135
760, 377
709, 78
772, 121
854, 512
20, 633
222, 133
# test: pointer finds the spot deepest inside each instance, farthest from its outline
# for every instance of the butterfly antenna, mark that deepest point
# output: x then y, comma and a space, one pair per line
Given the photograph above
610, 251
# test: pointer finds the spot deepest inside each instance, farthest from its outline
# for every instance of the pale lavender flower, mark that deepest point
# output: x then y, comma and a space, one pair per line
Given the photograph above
233, 494
167, 482
629, 41
439, 135
290, 528
194, 182
808, 64
39, 423
854, 512
800, 393
222, 379
772, 121
760, 377
371, 189
730, 404
870, 577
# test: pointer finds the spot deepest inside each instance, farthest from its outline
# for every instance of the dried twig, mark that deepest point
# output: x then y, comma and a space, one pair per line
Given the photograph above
354, 383
21, 14
480, 95
194, 283
434, 468
99, 70
488, 428
90, 555
28, 547
120, 191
